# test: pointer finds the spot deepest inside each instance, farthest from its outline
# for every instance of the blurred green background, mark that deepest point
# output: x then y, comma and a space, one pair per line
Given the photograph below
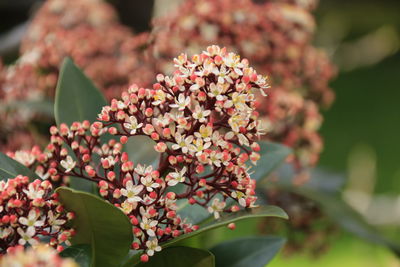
361, 129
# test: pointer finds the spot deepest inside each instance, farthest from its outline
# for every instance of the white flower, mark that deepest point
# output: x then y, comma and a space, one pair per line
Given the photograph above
200, 114
239, 101
147, 225
148, 182
183, 143
177, 177
143, 170
233, 61
181, 103
241, 137
238, 120
27, 236
33, 193
132, 125
53, 221
152, 246
127, 207
200, 146
24, 157
32, 220
240, 196
131, 191
204, 132
216, 207
215, 158
223, 74
68, 164
218, 139
207, 68
216, 90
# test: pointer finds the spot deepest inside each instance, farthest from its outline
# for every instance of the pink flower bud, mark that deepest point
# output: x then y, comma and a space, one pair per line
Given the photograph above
232, 226
160, 147
171, 195
144, 258
155, 136
166, 132
117, 193
112, 131
111, 176
172, 160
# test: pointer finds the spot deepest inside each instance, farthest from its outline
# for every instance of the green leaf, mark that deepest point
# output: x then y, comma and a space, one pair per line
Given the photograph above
248, 251
264, 211
141, 150
81, 254
180, 257
98, 223
10, 168
272, 155
77, 99
324, 189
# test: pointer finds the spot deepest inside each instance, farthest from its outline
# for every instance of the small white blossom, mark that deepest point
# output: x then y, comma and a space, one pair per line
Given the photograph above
148, 226
177, 177
68, 164
216, 207
132, 125
152, 246
132, 191
181, 103
27, 236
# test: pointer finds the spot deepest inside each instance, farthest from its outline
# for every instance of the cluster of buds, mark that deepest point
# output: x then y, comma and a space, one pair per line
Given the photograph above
204, 125
275, 35
28, 211
39, 255
89, 32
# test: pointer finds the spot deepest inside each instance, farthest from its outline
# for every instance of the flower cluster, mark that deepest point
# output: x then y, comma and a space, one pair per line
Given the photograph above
275, 35
204, 125
28, 210
88, 31
40, 255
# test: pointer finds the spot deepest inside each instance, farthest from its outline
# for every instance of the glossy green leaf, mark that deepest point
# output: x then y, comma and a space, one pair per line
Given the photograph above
272, 155
10, 168
180, 257
264, 211
248, 251
141, 150
81, 254
98, 223
77, 98
324, 189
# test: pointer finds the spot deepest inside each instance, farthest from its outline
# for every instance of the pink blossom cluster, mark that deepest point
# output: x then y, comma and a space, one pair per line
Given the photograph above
28, 211
89, 32
276, 36
204, 125
40, 255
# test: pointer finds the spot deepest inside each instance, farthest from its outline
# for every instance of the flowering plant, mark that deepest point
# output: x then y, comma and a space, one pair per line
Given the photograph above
204, 127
